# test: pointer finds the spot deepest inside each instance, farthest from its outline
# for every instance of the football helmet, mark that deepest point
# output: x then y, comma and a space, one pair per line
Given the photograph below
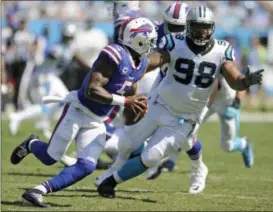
175, 17
139, 34
200, 25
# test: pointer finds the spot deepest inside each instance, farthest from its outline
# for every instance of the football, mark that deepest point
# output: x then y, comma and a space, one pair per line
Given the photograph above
131, 118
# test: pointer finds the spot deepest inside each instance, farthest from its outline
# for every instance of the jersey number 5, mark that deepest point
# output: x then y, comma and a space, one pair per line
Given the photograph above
186, 67
125, 87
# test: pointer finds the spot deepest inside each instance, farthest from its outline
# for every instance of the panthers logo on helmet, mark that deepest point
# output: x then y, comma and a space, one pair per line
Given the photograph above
146, 28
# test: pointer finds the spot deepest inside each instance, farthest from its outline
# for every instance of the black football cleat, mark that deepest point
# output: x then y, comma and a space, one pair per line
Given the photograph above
21, 151
35, 197
106, 188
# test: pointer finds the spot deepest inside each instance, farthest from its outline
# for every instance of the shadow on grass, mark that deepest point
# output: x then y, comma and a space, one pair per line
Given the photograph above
29, 174
117, 190
20, 203
96, 195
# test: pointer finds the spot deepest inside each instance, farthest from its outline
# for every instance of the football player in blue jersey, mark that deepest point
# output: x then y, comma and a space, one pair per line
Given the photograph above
113, 76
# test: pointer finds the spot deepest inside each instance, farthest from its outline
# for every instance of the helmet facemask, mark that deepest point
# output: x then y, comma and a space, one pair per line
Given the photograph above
174, 28
200, 32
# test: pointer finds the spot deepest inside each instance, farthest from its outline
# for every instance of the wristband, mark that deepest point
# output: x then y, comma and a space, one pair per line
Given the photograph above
244, 83
118, 100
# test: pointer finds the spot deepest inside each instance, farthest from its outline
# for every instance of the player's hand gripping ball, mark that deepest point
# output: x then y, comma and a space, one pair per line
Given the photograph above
135, 109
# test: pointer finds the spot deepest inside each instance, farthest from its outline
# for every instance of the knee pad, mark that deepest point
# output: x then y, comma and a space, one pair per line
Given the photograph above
151, 157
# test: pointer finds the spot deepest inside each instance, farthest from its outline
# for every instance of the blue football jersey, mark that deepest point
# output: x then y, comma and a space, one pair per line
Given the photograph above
160, 30
121, 80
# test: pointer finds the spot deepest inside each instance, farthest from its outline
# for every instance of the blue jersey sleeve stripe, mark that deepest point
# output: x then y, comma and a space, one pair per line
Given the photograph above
170, 42
228, 53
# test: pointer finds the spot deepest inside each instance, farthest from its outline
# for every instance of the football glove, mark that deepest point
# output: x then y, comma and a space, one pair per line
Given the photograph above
252, 78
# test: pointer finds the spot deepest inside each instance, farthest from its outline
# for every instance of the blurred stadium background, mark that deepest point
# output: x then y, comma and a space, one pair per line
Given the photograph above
38, 37
248, 25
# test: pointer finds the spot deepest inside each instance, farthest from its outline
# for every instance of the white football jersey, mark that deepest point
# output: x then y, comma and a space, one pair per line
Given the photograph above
190, 78
225, 95
145, 85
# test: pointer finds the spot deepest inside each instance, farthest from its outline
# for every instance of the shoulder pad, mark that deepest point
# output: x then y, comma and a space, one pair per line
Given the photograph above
227, 49
114, 52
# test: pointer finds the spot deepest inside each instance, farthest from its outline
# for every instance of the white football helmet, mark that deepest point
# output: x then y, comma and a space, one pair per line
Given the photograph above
139, 34
200, 25
175, 17
125, 6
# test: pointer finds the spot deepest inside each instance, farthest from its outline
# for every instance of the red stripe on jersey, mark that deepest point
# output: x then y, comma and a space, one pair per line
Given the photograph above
59, 121
112, 114
176, 10
114, 51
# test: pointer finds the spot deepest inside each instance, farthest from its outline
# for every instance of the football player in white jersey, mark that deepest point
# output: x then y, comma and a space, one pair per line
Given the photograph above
195, 62
226, 104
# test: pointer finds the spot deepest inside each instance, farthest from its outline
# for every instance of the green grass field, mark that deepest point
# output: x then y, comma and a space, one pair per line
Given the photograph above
230, 186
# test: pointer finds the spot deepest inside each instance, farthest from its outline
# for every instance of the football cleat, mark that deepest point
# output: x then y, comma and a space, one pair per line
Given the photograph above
21, 151
106, 188
35, 198
153, 173
198, 179
105, 175
248, 155
166, 166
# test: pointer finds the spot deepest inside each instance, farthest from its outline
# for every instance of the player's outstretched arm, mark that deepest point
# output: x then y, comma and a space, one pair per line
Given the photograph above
157, 59
238, 81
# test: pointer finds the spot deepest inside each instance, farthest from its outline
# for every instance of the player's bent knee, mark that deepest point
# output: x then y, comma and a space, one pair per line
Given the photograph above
49, 161
86, 166
151, 157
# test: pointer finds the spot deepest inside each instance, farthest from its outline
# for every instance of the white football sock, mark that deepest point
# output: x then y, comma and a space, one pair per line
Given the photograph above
41, 188
197, 162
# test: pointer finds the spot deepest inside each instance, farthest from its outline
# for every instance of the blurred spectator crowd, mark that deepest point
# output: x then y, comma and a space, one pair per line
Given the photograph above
229, 14
24, 53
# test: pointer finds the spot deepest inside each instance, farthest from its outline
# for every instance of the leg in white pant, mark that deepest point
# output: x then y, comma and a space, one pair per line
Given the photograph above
130, 138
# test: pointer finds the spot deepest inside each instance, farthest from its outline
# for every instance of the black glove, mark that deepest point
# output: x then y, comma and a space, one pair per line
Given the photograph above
252, 78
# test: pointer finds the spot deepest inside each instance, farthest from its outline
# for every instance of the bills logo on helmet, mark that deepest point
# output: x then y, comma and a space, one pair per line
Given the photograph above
146, 28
